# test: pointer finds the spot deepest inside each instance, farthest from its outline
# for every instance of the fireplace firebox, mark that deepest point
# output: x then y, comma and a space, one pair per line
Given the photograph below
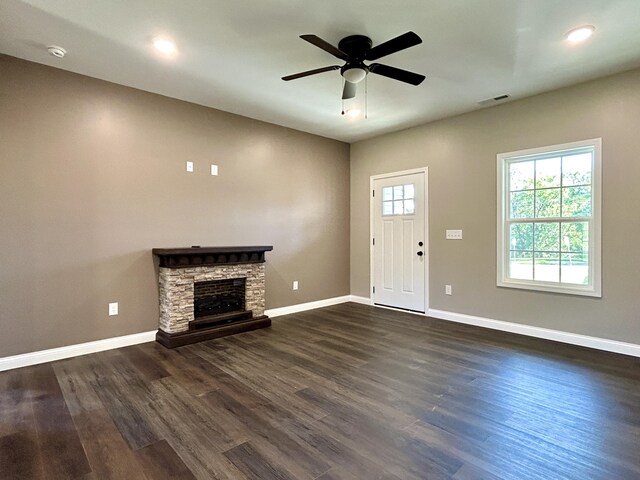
218, 296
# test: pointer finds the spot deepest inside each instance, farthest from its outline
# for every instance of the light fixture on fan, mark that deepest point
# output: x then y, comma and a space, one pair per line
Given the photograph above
354, 74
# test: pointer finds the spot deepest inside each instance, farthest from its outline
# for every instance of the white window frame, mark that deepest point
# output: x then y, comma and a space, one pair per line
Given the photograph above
594, 288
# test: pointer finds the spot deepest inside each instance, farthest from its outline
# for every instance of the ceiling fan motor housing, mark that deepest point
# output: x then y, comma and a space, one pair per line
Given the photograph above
355, 46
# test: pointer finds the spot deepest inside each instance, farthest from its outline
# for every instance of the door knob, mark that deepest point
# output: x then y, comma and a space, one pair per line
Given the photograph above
420, 253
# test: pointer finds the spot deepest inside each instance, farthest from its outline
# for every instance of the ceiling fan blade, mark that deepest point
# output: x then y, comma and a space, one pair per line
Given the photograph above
310, 72
349, 90
396, 73
326, 46
394, 45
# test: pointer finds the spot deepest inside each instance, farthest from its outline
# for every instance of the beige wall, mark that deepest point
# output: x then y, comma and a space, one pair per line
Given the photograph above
92, 176
461, 155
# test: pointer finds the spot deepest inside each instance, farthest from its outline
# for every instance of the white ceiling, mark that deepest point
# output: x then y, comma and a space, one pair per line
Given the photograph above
232, 53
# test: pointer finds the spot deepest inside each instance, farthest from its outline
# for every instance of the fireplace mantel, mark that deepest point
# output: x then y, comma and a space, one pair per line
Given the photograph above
204, 256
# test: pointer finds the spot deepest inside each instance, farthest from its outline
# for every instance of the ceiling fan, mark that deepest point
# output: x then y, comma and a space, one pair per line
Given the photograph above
354, 50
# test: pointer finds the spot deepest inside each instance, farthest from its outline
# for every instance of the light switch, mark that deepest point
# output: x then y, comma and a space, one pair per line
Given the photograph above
113, 309
454, 235
190, 167
214, 169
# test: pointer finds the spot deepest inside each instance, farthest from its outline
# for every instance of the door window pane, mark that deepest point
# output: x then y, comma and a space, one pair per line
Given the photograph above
409, 191
409, 207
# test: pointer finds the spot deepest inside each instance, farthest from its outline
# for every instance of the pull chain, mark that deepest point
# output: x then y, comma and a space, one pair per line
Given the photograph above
343, 80
366, 97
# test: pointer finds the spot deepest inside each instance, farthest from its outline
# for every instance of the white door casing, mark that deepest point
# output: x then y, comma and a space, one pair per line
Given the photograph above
399, 264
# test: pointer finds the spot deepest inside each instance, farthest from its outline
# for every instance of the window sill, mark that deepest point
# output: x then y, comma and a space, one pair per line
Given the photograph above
587, 291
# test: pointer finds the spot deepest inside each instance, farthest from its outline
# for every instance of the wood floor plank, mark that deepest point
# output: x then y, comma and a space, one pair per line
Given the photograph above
344, 459
182, 365
74, 377
254, 465
180, 414
19, 459
161, 462
63, 454
273, 441
271, 386
469, 472
150, 369
20, 454
123, 400
109, 455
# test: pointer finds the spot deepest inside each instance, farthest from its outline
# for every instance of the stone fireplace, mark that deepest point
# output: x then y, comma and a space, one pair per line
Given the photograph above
210, 292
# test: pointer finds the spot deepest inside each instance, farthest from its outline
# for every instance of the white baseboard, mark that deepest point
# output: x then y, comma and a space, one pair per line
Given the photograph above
301, 307
596, 343
43, 356
539, 332
362, 300
53, 354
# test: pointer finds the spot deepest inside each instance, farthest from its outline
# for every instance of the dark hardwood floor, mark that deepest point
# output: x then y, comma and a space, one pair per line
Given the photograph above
344, 392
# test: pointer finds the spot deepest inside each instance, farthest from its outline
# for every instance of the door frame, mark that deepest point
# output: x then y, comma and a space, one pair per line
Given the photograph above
372, 211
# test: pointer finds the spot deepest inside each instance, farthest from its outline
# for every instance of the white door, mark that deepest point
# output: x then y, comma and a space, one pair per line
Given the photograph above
399, 241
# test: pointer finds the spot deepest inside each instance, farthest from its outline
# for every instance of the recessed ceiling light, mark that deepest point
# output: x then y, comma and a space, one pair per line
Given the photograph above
56, 51
580, 34
164, 45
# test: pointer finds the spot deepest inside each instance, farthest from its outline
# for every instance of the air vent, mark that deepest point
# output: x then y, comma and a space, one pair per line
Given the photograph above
489, 101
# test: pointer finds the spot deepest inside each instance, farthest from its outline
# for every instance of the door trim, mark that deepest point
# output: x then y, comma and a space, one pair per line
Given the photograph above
372, 179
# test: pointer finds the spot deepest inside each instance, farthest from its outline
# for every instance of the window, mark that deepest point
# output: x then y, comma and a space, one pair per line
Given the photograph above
549, 218
398, 200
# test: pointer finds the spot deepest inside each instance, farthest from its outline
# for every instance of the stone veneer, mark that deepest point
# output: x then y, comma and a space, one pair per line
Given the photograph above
176, 291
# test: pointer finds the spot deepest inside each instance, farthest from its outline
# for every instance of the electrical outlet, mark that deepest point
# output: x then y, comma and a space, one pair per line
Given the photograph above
454, 235
295, 284
190, 167
447, 290
113, 309
214, 169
